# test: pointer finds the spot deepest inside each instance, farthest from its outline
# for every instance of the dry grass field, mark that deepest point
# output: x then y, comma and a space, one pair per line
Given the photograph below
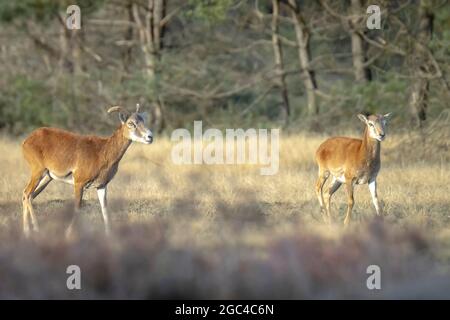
197, 231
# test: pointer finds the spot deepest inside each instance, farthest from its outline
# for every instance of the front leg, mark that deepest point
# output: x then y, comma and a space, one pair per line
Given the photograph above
350, 200
78, 189
101, 192
373, 193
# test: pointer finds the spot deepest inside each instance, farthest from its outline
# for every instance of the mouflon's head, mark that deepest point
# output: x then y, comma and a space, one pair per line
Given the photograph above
376, 125
133, 125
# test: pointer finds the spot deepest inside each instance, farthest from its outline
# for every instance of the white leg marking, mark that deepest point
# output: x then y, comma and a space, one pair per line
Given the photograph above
334, 180
373, 192
101, 192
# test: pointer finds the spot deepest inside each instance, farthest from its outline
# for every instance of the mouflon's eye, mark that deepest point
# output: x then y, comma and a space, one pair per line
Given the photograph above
131, 124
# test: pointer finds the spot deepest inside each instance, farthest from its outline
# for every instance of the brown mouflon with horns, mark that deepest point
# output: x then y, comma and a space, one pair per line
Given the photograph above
351, 161
55, 154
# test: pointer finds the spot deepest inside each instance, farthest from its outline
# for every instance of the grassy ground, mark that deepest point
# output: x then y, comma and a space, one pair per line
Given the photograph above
228, 232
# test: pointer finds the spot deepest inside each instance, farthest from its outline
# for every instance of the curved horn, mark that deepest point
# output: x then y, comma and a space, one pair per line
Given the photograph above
118, 109
123, 113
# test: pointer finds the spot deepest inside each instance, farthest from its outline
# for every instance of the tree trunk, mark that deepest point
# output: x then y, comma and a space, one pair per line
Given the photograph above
75, 49
278, 57
150, 35
304, 55
361, 72
64, 48
418, 99
70, 57
127, 54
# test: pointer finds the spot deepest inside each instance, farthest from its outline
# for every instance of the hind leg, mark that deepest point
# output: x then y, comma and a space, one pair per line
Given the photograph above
26, 221
334, 186
42, 185
323, 176
36, 177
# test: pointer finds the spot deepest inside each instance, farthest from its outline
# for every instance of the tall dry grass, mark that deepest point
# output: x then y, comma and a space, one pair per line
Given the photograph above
196, 231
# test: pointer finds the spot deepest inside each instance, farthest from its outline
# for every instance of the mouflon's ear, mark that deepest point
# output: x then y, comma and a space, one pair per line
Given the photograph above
387, 116
362, 118
123, 113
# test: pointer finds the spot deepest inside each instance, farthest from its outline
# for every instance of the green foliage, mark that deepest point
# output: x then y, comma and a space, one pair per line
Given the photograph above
211, 11
441, 37
370, 99
25, 105
42, 10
